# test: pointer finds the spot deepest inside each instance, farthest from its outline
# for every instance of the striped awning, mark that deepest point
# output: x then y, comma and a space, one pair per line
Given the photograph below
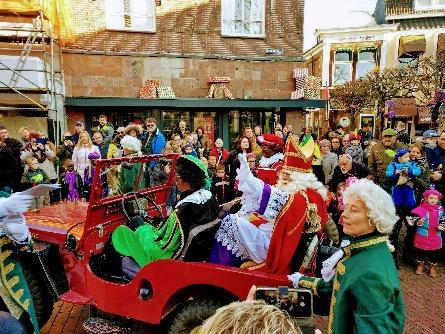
422, 23
412, 44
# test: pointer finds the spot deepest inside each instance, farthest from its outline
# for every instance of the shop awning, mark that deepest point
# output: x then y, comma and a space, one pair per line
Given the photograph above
412, 44
441, 44
405, 107
424, 115
192, 103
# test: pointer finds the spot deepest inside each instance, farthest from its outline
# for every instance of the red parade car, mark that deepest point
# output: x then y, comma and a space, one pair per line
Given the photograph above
72, 252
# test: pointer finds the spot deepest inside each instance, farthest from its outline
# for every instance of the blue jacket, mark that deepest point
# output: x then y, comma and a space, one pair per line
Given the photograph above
433, 156
413, 169
157, 145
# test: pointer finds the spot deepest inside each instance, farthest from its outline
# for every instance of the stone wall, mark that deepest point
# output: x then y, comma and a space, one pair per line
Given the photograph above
101, 75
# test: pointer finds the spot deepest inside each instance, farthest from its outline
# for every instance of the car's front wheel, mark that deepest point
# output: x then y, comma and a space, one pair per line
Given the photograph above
193, 315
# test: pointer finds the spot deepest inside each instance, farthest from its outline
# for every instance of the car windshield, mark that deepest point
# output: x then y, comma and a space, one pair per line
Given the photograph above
123, 177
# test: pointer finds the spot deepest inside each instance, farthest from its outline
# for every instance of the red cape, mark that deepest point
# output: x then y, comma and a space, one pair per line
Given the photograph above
286, 235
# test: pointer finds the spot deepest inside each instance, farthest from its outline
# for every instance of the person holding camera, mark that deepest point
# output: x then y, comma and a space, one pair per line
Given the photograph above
41, 148
360, 281
65, 148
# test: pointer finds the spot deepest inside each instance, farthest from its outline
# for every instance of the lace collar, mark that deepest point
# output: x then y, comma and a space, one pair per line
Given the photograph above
198, 197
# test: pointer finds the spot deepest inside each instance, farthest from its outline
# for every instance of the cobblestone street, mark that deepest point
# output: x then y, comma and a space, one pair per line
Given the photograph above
424, 304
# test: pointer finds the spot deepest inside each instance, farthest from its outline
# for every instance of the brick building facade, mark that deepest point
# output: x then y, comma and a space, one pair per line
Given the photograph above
187, 44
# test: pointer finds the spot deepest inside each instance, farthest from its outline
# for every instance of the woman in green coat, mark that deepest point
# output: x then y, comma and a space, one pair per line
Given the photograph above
360, 281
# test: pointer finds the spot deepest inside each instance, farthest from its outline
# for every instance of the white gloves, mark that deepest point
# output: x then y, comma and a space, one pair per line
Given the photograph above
295, 278
15, 228
247, 182
329, 265
16, 203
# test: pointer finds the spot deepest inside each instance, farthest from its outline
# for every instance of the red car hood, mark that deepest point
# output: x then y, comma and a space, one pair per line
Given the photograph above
52, 223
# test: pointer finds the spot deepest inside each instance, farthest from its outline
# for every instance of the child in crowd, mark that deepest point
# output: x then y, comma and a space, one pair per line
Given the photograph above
33, 176
401, 170
204, 161
89, 173
219, 151
432, 152
251, 160
337, 206
189, 150
221, 186
428, 238
354, 149
71, 182
211, 168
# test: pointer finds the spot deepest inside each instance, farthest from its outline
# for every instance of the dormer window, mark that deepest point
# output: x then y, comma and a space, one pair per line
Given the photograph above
429, 4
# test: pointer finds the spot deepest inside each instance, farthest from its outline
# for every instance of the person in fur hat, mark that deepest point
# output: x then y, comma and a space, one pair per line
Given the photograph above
401, 170
134, 130
274, 220
430, 225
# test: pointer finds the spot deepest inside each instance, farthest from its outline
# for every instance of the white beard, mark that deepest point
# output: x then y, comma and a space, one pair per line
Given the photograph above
288, 186
301, 181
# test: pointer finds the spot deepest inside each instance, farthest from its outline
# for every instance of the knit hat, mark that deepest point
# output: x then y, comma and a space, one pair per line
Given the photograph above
93, 156
430, 134
401, 152
202, 167
131, 143
354, 136
428, 192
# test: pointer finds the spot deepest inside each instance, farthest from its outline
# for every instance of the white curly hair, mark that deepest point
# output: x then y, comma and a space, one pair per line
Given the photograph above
381, 209
131, 143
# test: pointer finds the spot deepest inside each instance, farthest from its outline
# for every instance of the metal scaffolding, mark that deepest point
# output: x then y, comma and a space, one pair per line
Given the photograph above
32, 38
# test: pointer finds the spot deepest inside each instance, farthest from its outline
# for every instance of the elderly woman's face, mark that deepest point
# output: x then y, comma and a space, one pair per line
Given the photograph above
355, 218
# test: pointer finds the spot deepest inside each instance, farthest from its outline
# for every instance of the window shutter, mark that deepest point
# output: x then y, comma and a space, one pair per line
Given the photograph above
142, 14
114, 14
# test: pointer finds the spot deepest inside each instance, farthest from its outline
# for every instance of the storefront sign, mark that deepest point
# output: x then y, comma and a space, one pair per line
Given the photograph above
208, 124
365, 38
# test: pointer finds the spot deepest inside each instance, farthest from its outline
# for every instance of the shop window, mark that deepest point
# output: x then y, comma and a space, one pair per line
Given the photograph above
429, 4
133, 15
366, 62
342, 71
244, 18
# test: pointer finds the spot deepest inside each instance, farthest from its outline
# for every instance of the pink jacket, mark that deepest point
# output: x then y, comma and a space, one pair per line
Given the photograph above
428, 237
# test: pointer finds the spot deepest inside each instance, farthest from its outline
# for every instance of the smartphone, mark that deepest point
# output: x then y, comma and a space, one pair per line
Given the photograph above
297, 302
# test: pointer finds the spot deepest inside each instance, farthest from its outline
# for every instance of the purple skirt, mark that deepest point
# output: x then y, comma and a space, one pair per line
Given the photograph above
219, 254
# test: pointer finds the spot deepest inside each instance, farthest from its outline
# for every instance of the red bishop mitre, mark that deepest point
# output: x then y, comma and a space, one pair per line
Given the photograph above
273, 141
299, 158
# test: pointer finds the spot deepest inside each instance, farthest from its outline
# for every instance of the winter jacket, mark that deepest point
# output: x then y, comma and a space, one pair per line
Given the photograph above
156, 143
329, 162
80, 158
356, 152
433, 156
107, 132
379, 158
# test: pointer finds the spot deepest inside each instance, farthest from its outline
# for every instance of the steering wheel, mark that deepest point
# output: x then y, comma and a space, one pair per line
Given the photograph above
142, 215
